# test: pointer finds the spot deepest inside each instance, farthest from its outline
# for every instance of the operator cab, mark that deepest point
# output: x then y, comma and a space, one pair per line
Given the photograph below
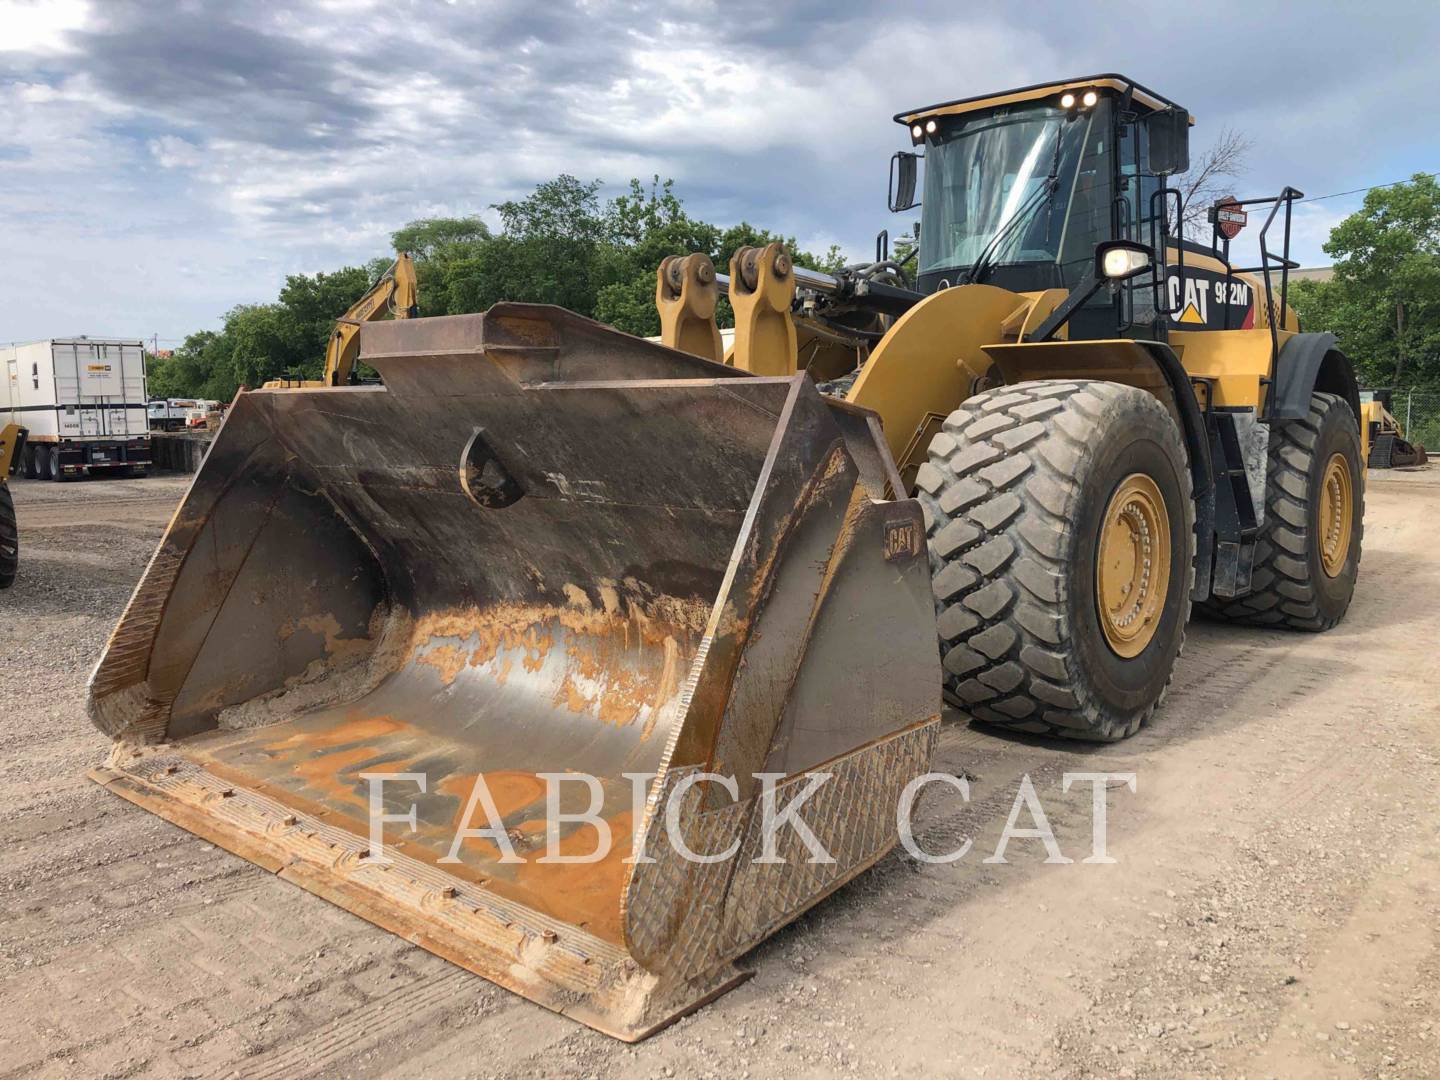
1021, 187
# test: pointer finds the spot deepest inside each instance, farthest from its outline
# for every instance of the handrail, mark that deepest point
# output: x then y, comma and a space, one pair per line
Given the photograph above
1269, 260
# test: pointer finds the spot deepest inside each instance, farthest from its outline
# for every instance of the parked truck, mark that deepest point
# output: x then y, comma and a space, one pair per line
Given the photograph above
171, 414
83, 401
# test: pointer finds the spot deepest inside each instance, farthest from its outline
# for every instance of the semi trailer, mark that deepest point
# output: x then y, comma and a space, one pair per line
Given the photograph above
84, 403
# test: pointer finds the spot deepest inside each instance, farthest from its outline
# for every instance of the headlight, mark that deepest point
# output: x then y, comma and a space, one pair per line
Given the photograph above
1119, 263
1067, 101
1090, 98
931, 126
916, 132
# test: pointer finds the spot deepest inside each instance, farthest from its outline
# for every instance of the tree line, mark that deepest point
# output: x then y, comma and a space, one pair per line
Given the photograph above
1383, 301
562, 244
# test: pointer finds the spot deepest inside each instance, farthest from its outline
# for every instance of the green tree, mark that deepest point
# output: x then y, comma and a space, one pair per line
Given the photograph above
200, 367
309, 306
428, 238
1384, 300
642, 228
264, 341
561, 244
183, 372
437, 245
550, 250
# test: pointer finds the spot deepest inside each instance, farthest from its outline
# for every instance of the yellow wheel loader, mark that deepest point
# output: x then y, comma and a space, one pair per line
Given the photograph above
426, 647
12, 449
1105, 421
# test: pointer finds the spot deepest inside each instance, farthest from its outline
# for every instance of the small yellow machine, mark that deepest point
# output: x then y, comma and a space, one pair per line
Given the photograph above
395, 294
1385, 444
12, 447
698, 588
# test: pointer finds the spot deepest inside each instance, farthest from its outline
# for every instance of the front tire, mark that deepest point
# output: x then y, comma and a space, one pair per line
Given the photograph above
1025, 488
1307, 555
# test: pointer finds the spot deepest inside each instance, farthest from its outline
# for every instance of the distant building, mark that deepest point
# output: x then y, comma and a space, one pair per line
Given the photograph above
1312, 273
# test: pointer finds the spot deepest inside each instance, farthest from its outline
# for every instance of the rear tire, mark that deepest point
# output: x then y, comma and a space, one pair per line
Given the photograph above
1290, 586
9, 538
1019, 497
31, 470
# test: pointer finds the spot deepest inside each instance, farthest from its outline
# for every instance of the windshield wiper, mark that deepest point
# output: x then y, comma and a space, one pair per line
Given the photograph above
1044, 195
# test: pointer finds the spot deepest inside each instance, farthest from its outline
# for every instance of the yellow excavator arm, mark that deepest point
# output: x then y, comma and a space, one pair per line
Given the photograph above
396, 293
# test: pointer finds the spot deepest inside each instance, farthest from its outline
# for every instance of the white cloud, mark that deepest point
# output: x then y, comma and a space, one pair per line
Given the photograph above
40, 26
244, 140
173, 152
1310, 227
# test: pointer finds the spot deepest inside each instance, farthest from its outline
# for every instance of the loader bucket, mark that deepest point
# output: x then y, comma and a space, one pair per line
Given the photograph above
541, 547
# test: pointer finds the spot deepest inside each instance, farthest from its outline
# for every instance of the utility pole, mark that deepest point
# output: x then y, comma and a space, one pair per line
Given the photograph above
1399, 339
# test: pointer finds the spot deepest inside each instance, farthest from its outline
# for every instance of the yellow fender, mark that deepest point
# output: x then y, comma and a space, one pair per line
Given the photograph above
932, 357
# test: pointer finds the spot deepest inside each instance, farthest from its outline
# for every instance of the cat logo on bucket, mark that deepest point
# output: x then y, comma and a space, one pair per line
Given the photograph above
902, 540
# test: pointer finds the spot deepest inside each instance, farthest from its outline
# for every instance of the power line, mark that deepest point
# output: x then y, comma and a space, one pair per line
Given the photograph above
1372, 187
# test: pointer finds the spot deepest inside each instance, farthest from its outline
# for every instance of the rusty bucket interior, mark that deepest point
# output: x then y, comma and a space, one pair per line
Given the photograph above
540, 547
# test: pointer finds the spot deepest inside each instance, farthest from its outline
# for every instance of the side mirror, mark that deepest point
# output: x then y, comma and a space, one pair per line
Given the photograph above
1169, 141
903, 171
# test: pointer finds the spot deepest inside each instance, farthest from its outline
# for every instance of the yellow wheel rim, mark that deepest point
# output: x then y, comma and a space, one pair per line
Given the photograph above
1132, 572
1337, 515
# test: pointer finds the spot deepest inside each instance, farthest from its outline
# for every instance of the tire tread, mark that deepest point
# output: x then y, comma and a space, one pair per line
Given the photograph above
999, 502
9, 538
1282, 594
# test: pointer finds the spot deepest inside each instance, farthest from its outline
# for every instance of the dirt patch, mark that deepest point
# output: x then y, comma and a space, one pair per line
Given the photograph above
1274, 908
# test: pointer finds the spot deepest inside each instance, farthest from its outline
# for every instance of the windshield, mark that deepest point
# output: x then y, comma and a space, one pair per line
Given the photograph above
990, 170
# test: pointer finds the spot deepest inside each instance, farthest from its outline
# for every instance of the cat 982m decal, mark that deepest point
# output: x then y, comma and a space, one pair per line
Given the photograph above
1210, 300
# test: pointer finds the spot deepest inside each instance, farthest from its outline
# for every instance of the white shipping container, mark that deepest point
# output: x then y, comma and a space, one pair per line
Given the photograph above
83, 401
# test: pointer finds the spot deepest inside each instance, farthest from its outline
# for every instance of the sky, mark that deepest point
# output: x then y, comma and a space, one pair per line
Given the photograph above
162, 162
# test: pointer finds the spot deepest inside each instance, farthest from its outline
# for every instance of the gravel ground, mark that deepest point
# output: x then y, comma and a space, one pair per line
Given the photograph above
1274, 910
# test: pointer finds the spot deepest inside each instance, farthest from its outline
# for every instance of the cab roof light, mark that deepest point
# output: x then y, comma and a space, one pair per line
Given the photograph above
1083, 99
